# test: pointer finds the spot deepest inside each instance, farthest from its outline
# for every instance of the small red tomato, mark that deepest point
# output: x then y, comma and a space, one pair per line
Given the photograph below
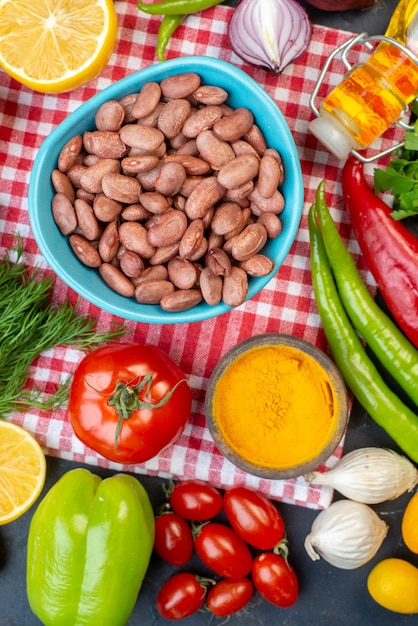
196, 500
221, 549
229, 596
275, 579
180, 596
173, 539
254, 517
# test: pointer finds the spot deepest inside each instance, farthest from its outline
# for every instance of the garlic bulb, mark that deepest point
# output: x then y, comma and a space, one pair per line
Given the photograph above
369, 475
347, 534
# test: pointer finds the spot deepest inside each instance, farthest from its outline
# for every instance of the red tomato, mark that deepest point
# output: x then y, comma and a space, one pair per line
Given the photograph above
173, 539
180, 596
254, 517
229, 595
196, 500
275, 579
128, 401
221, 549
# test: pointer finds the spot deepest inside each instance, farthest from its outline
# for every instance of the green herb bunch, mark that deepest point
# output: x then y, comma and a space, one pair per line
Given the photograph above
29, 325
400, 177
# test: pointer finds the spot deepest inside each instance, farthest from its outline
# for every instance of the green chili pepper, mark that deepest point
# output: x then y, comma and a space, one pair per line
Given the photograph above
176, 7
89, 546
357, 369
395, 352
168, 26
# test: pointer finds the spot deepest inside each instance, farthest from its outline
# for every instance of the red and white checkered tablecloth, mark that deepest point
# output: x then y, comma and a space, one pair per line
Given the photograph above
285, 305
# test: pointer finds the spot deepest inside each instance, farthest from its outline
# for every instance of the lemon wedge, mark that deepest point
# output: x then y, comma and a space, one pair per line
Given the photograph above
54, 46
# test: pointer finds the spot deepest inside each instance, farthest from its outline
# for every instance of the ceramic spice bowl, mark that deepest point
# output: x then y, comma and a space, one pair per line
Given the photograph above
276, 406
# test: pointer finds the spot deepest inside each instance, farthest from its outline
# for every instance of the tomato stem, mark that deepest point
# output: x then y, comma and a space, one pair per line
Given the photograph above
125, 399
282, 549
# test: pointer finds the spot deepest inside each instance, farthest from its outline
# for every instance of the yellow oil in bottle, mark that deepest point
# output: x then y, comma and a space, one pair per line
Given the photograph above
375, 93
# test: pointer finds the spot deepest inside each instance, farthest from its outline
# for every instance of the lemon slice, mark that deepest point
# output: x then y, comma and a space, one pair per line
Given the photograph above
54, 46
22, 471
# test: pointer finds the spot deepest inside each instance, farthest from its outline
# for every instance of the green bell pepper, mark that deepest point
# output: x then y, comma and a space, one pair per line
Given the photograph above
89, 546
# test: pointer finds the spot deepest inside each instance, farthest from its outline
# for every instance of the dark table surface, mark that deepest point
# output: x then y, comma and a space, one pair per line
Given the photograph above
328, 595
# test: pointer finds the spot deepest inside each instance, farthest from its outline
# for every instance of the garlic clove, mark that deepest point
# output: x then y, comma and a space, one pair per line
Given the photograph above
369, 475
347, 534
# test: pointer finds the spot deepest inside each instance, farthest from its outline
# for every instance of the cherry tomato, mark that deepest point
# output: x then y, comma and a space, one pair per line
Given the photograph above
173, 539
221, 549
275, 579
229, 596
393, 583
180, 596
128, 401
196, 500
254, 517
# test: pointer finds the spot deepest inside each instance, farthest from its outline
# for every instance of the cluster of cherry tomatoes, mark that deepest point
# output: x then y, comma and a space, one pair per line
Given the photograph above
247, 551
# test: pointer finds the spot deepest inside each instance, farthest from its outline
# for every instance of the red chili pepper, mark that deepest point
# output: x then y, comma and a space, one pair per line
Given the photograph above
389, 248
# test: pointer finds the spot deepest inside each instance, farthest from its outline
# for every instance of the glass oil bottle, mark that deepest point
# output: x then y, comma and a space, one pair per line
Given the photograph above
374, 94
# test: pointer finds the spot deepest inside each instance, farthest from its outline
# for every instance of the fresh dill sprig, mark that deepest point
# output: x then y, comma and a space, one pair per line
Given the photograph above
30, 325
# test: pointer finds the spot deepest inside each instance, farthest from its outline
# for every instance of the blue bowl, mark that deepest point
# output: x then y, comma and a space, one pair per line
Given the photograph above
243, 92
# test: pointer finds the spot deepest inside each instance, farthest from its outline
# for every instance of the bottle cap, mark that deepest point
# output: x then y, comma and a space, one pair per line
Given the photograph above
333, 136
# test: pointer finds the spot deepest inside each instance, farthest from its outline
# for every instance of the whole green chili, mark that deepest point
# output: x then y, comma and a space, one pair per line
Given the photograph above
168, 26
176, 7
357, 369
394, 351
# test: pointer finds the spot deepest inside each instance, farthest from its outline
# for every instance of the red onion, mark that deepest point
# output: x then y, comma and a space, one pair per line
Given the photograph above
270, 33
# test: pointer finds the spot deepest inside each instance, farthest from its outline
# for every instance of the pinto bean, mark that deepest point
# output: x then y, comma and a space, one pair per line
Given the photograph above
134, 236
215, 151
116, 280
153, 291
235, 125
173, 117
110, 116
269, 176
238, 171
181, 300
105, 144
147, 100
70, 153
235, 287
249, 242
86, 219
167, 228
85, 251
180, 85
62, 184
211, 286
210, 94
200, 120
109, 242
63, 213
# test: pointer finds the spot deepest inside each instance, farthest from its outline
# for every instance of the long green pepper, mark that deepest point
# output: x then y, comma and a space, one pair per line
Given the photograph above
176, 7
357, 369
397, 355
168, 26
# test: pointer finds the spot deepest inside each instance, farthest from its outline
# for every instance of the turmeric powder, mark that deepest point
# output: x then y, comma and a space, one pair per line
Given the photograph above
275, 406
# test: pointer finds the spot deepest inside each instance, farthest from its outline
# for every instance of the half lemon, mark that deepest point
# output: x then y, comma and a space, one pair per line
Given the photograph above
22, 471
54, 46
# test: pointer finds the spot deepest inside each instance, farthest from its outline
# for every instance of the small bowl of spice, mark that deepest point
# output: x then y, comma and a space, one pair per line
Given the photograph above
276, 406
